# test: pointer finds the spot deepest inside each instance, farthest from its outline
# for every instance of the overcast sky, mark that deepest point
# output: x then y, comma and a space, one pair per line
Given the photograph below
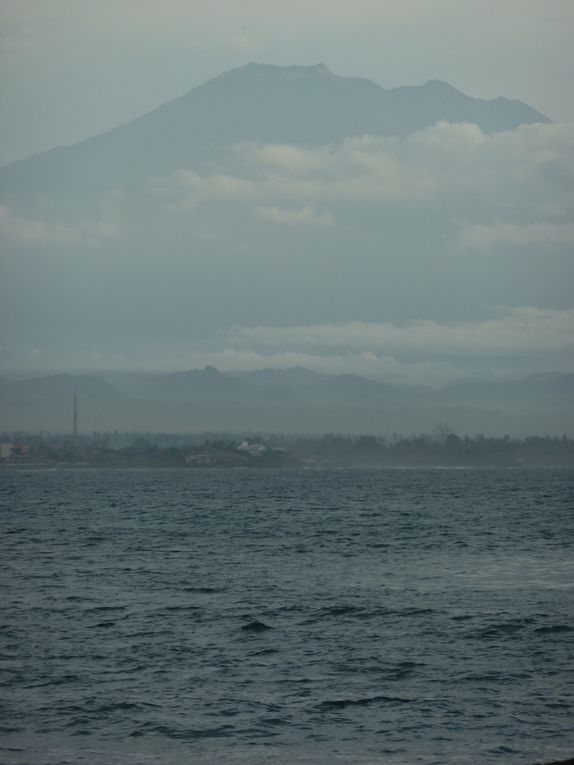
72, 68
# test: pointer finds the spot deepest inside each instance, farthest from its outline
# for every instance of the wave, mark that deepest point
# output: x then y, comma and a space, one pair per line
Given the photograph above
342, 703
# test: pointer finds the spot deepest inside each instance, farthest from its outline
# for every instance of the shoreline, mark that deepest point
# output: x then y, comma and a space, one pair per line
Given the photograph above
252, 466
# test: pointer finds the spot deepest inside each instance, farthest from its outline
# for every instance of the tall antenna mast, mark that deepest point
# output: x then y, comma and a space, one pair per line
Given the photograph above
76, 415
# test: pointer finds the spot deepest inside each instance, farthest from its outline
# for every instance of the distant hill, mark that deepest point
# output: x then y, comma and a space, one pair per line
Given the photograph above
46, 403
201, 384
296, 104
303, 402
293, 378
533, 392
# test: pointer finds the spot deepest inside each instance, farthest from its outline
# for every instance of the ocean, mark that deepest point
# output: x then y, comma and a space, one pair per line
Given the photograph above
245, 616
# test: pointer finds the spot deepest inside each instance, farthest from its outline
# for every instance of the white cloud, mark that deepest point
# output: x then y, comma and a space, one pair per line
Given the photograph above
512, 331
306, 216
54, 233
285, 159
185, 190
501, 182
364, 363
515, 341
27, 230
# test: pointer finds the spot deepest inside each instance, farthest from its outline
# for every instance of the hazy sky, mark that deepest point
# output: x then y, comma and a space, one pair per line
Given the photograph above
72, 68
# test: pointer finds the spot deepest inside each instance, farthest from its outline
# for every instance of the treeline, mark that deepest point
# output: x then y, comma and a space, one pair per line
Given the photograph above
443, 449
439, 448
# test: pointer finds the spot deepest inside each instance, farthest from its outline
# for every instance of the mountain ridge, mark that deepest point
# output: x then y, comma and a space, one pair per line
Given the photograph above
200, 400
237, 74
261, 103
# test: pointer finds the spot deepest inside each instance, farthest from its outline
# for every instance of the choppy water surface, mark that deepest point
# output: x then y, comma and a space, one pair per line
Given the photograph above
415, 616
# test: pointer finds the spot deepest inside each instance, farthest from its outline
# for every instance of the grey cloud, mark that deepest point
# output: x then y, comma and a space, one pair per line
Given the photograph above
490, 237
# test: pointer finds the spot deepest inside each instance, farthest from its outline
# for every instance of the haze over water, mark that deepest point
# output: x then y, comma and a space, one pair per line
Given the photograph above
415, 616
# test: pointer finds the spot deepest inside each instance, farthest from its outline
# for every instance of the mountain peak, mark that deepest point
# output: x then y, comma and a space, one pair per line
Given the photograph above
286, 73
439, 86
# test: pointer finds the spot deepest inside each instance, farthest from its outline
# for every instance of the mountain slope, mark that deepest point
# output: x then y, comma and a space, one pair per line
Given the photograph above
260, 103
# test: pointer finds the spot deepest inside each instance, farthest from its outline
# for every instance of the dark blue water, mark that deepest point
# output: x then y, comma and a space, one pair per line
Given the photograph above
415, 616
